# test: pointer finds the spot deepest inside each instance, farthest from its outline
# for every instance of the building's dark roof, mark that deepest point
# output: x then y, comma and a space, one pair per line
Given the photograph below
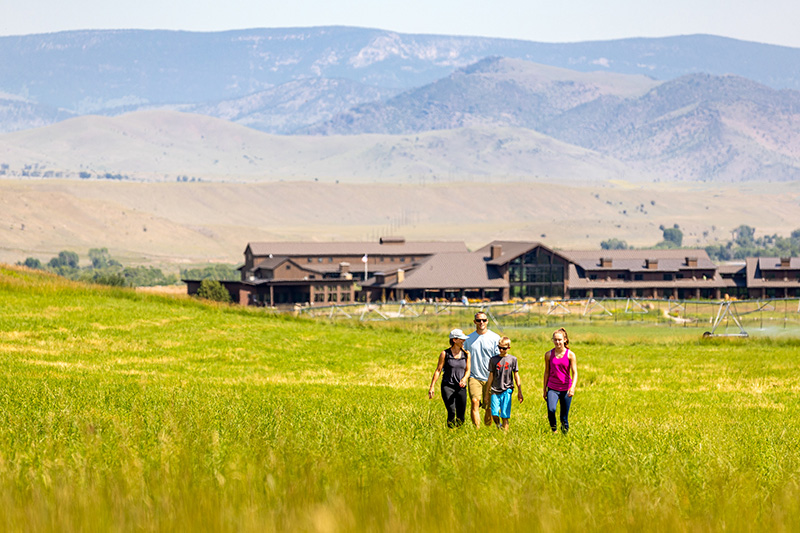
774, 263
354, 248
271, 263
453, 271
510, 250
731, 269
669, 260
755, 273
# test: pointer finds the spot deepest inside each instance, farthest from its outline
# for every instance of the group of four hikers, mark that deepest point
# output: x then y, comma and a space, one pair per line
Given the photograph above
482, 364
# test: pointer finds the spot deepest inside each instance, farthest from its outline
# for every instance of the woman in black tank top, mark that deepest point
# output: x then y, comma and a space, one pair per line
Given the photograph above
454, 364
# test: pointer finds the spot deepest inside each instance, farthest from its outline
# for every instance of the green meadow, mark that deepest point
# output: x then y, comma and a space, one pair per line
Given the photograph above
124, 411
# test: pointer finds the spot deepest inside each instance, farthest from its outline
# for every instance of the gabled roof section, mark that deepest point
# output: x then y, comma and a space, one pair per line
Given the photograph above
755, 272
731, 269
354, 248
774, 263
511, 250
454, 270
271, 263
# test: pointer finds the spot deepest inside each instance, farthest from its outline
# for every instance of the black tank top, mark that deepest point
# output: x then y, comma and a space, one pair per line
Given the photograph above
454, 369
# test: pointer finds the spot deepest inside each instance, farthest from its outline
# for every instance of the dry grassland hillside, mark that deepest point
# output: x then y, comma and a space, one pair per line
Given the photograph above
171, 224
168, 145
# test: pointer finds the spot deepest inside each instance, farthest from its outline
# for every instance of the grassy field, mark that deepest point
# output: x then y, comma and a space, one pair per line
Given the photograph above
128, 411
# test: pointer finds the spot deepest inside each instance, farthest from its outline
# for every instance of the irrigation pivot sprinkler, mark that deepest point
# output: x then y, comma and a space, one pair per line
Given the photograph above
726, 311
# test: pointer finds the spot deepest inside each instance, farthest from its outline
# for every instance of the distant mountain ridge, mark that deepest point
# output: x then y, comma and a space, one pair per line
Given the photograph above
695, 127
419, 107
492, 92
114, 71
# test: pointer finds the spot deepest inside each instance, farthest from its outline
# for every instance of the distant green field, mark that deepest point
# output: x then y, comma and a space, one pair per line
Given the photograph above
125, 411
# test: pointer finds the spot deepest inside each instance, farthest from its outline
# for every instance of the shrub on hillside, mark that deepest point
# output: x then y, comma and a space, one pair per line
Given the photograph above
211, 289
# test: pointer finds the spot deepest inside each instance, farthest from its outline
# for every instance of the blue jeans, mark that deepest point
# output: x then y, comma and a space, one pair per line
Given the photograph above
555, 397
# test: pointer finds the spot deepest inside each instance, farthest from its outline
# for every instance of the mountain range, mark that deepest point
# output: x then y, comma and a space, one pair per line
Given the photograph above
370, 105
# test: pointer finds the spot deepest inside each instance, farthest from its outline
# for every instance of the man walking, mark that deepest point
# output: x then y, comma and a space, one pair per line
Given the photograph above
482, 346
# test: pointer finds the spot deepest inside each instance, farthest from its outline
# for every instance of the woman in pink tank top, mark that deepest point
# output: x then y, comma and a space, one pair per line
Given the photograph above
560, 377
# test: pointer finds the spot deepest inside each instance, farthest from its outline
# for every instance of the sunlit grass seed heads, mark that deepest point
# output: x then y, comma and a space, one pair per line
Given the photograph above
125, 411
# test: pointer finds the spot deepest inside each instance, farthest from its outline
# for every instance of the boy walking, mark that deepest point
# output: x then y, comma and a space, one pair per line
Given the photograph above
503, 374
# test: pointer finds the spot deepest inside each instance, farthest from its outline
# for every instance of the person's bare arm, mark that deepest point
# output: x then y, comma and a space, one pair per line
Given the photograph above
488, 390
436, 374
546, 374
465, 379
573, 372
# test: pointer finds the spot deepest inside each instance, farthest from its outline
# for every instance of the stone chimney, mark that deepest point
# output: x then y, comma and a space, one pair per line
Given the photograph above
401, 275
344, 270
393, 240
651, 264
606, 262
785, 262
497, 251
691, 262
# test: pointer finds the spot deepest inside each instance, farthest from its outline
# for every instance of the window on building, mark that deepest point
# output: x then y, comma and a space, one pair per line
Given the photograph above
537, 274
319, 260
402, 259
621, 275
332, 297
667, 277
638, 277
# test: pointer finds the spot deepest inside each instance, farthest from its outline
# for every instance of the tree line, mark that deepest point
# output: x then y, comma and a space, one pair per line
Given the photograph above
743, 243
106, 270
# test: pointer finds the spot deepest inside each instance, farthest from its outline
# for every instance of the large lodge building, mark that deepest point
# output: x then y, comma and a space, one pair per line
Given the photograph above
310, 273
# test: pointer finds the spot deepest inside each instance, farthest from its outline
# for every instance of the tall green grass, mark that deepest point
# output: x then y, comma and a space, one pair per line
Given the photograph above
122, 411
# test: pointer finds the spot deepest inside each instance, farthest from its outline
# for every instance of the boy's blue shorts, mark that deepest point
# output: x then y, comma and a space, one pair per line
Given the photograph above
501, 403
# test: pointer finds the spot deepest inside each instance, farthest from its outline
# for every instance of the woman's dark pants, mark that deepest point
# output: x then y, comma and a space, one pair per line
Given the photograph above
455, 400
555, 397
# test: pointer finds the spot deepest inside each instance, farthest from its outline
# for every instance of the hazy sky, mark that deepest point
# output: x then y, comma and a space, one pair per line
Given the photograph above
771, 21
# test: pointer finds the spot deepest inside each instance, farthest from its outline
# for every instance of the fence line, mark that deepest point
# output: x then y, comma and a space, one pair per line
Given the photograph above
705, 314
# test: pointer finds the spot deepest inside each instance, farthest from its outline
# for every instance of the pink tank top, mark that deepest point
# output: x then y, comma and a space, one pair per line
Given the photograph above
559, 378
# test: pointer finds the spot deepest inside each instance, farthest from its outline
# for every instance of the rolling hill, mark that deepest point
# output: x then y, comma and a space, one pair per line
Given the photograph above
499, 119
168, 145
171, 224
